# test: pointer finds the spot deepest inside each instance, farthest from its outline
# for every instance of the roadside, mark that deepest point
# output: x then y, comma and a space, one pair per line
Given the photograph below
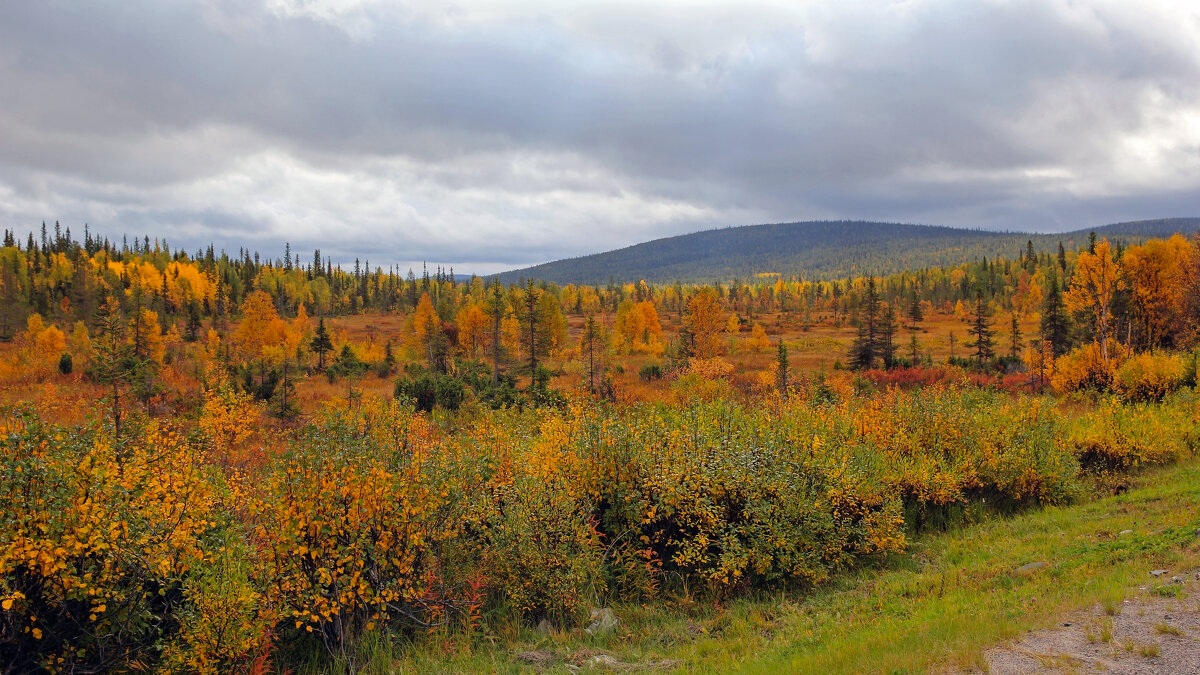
942, 606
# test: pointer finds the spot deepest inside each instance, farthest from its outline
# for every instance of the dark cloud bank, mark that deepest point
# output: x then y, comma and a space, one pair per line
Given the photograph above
493, 138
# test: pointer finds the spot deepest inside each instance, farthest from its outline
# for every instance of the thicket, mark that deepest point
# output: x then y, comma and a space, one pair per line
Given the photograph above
165, 547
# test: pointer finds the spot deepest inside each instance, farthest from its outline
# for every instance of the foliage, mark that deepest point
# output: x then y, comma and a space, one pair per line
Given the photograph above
427, 390
1150, 376
1084, 368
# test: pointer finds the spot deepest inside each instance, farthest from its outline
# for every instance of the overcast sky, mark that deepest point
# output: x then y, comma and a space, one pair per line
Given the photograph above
489, 135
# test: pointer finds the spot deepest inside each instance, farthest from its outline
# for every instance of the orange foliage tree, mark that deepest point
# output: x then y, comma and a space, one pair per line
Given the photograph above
1096, 280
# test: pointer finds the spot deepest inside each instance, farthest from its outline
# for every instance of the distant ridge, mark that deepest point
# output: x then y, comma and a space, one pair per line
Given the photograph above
824, 249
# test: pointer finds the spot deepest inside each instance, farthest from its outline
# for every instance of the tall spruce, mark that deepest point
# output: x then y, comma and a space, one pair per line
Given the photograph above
781, 369
863, 350
981, 332
1055, 327
886, 337
495, 308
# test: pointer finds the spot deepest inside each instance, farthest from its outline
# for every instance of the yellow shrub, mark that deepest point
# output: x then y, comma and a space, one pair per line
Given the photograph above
1085, 368
1150, 376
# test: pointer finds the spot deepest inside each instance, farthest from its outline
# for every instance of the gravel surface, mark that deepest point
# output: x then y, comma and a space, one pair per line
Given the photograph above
1156, 631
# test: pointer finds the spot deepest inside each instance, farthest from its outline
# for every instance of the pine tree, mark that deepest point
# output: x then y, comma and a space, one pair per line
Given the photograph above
113, 361
1014, 346
781, 369
532, 293
886, 338
915, 315
981, 331
1055, 327
321, 344
864, 348
495, 310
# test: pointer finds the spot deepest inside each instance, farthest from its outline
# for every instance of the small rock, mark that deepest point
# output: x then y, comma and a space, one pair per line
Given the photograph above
1177, 580
604, 620
544, 627
1158, 573
1066, 624
538, 657
1123, 533
602, 661
1029, 568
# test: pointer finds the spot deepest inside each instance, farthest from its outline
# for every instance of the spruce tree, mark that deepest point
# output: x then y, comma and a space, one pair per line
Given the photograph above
321, 344
1014, 345
915, 315
1055, 327
864, 348
981, 331
781, 362
886, 338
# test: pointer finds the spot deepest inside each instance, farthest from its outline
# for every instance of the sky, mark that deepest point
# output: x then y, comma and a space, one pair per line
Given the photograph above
493, 135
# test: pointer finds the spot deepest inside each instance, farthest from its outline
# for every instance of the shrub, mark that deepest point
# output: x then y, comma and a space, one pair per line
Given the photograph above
1150, 376
1085, 368
650, 371
431, 389
65, 366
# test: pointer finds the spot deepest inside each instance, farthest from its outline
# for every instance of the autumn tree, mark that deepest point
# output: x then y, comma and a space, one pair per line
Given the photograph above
1154, 272
1096, 280
758, 341
472, 328
1189, 293
638, 327
703, 323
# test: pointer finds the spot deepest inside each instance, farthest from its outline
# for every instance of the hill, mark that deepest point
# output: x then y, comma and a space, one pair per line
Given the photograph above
817, 249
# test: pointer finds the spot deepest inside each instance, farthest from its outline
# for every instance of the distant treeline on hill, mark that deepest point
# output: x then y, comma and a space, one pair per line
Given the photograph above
819, 250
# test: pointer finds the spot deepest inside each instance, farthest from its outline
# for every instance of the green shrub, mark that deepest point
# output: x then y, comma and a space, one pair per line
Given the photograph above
431, 389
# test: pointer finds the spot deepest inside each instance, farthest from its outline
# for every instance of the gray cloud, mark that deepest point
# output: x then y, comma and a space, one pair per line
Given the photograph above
494, 137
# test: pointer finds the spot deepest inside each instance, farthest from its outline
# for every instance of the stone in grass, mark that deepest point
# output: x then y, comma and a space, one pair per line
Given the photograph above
604, 661
1030, 568
1124, 533
538, 657
604, 620
1158, 573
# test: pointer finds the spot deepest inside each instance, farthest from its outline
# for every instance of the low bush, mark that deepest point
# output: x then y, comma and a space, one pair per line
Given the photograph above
1150, 376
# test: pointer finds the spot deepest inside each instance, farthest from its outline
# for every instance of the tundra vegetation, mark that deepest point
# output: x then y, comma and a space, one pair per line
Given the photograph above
217, 463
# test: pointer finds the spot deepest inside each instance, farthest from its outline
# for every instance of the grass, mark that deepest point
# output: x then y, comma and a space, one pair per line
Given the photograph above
940, 605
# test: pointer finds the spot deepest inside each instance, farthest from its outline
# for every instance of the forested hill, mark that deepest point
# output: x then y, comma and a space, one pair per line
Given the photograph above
818, 249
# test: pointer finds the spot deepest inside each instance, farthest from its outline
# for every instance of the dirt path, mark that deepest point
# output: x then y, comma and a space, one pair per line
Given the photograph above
1156, 631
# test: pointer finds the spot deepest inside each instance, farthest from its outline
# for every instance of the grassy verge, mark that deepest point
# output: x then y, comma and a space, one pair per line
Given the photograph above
940, 605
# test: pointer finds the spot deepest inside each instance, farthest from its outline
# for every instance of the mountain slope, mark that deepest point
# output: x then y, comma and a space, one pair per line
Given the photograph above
817, 249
